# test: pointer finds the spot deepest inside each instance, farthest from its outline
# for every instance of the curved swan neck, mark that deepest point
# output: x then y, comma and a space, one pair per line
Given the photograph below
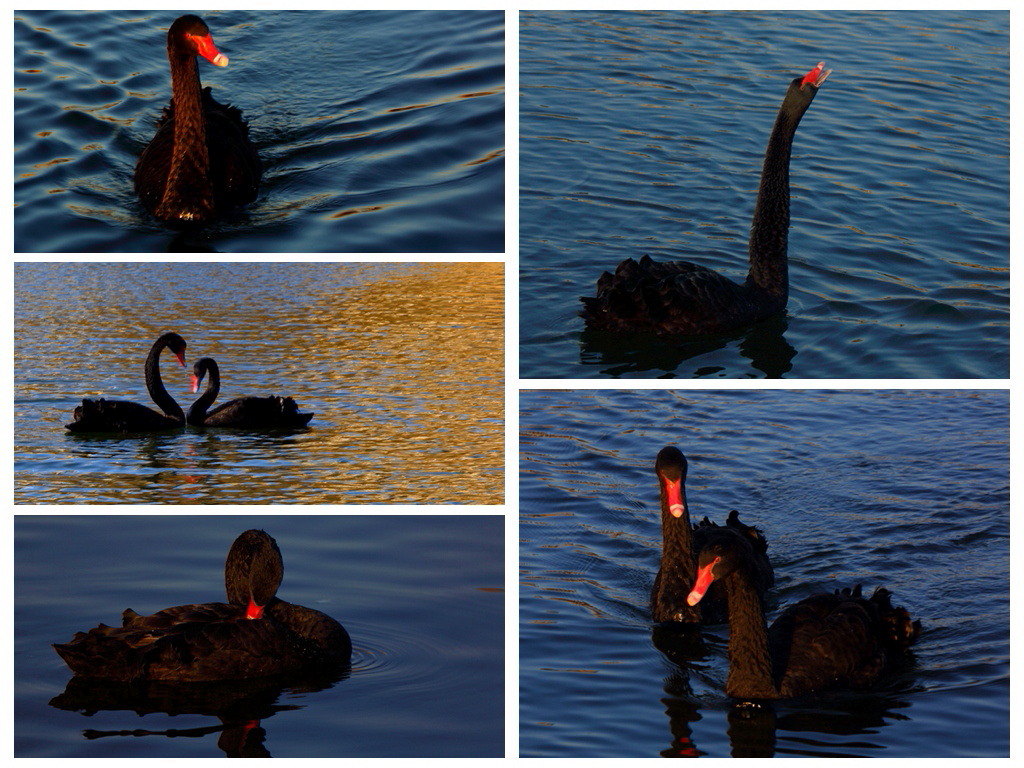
155, 384
769, 230
188, 178
750, 665
197, 412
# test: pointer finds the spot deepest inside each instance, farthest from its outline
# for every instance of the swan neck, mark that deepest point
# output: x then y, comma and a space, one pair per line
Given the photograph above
676, 569
155, 384
750, 666
188, 187
197, 412
769, 230
253, 571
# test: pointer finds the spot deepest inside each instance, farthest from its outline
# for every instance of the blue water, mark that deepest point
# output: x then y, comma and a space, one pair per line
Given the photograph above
644, 132
421, 597
402, 366
906, 489
379, 131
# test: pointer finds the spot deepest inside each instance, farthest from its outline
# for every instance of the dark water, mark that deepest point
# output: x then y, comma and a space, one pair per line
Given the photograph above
421, 597
401, 364
644, 133
379, 131
906, 489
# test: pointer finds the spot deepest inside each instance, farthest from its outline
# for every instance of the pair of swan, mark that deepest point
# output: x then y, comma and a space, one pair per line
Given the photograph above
244, 413
255, 634
711, 573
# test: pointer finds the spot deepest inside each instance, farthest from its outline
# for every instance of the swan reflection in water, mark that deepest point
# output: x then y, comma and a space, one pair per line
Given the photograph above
241, 707
838, 724
622, 354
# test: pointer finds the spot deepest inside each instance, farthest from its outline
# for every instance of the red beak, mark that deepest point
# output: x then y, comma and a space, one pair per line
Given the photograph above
816, 77
253, 611
704, 579
209, 51
675, 498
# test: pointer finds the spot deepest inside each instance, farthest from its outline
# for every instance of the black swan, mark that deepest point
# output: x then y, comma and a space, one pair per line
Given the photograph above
125, 416
254, 634
200, 163
681, 542
825, 641
243, 412
679, 297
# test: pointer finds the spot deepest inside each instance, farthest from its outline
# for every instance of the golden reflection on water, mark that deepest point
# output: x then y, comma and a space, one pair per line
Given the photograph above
403, 367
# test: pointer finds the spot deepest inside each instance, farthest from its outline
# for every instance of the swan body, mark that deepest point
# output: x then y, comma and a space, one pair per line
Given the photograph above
825, 641
201, 162
243, 412
124, 416
255, 634
680, 543
680, 297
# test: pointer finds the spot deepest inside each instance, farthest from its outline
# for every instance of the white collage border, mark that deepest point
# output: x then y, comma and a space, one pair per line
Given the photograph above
512, 381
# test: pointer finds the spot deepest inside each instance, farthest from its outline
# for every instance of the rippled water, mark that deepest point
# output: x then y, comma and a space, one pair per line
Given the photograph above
906, 489
402, 366
421, 597
644, 132
379, 131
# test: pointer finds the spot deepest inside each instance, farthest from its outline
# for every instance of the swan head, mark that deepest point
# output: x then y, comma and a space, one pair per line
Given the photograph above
802, 91
200, 368
816, 76
189, 34
173, 342
724, 552
253, 572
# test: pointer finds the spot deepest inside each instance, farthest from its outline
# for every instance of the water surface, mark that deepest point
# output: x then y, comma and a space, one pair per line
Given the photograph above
644, 132
401, 365
379, 131
421, 597
849, 487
